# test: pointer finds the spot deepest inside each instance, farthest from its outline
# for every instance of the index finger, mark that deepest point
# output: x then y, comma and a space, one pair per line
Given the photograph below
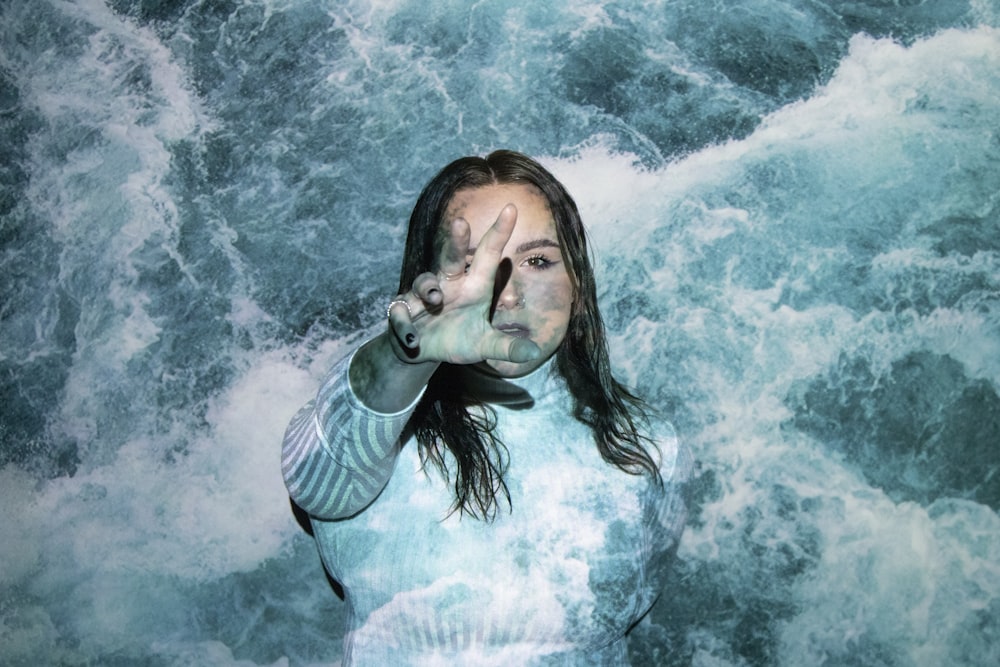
490, 248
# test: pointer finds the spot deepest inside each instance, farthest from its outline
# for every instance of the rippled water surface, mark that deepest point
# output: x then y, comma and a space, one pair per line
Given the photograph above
794, 210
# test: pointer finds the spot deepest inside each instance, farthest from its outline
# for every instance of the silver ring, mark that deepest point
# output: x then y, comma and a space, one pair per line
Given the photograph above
388, 311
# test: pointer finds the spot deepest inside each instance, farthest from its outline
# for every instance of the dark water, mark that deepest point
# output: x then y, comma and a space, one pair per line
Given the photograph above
794, 206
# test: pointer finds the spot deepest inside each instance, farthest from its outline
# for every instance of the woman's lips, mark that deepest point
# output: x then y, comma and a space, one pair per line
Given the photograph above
512, 329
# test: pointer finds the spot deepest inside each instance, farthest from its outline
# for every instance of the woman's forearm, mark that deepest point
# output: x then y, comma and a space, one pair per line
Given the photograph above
384, 383
340, 449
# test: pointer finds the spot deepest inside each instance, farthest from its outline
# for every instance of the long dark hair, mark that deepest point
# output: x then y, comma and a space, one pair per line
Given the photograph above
615, 415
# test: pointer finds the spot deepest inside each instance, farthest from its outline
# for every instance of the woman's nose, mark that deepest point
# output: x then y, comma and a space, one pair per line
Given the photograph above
508, 294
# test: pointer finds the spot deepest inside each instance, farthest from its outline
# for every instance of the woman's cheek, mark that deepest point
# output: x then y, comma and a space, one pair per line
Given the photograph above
552, 304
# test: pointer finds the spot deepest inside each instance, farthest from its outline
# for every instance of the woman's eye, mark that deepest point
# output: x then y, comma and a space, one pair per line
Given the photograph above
538, 262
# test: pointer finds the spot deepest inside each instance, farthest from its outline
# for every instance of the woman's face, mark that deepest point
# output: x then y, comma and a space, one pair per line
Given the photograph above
534, 292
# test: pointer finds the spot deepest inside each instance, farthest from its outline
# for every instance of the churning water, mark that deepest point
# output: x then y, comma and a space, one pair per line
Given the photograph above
795, 210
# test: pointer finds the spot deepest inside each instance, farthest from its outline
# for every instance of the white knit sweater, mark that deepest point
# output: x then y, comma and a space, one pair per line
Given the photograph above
558, 580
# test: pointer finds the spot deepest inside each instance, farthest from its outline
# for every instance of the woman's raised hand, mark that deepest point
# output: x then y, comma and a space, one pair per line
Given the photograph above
445, 317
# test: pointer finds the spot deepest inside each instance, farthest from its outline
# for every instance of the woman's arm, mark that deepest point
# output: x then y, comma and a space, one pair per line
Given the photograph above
338, 452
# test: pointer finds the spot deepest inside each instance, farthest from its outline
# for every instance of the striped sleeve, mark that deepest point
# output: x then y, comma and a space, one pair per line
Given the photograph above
338, 454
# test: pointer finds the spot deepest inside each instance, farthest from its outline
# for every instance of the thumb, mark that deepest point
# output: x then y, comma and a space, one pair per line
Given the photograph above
522, 350
508, 348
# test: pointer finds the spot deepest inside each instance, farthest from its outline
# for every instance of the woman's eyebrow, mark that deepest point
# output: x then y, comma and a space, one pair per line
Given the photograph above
528, 246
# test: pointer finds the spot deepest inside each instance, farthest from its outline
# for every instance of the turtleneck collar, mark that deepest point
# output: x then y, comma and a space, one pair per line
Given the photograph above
519, 393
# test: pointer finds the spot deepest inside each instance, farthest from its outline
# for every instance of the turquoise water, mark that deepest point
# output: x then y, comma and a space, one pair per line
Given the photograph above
794, 210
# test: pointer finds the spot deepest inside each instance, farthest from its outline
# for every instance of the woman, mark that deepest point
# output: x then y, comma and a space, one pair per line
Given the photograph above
478, 482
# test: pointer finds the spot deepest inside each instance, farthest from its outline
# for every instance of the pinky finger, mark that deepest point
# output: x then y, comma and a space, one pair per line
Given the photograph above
402, 328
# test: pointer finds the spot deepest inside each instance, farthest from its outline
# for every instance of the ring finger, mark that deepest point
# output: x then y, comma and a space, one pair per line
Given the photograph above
427, 288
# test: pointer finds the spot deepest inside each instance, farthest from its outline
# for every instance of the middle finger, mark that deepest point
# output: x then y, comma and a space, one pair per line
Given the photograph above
456, 249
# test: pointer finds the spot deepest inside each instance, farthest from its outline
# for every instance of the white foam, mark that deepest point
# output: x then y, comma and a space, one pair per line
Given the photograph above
220, 508
887, 142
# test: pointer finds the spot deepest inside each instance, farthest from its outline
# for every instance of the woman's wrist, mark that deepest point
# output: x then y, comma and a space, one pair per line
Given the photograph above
384, 382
